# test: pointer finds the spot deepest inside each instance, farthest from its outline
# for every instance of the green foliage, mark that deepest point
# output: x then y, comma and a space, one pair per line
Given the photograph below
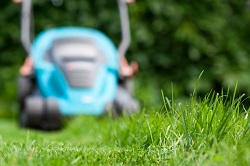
212, 131
179, 39
172, 40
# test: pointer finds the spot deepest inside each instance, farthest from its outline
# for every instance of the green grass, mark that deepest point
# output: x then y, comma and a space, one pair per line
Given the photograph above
211, 131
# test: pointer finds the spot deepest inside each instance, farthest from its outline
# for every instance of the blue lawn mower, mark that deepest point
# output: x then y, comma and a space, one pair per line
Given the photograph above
76, 71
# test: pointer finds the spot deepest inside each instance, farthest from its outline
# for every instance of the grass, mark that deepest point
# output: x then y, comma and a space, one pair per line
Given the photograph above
211, 131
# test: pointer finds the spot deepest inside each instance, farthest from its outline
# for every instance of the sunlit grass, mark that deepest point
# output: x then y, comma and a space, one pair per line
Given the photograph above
209, 131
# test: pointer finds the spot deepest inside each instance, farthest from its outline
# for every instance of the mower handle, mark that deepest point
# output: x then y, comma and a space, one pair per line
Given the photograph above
125, 27
26, 26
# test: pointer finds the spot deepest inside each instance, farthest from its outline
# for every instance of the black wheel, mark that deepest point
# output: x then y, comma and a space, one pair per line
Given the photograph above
51, 117
124, 103
31, 114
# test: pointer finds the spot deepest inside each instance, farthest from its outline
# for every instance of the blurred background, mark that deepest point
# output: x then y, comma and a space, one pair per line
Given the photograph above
173, 41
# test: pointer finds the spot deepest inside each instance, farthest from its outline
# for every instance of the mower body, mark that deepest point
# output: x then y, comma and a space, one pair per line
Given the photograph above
77, 67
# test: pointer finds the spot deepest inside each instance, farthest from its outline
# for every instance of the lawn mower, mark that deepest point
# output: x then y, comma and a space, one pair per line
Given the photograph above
76, 71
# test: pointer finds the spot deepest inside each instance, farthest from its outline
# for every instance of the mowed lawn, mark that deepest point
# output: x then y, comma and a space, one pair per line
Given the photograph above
212, 131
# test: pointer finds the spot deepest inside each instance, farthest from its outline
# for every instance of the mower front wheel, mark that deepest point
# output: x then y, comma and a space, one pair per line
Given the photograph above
40, 113
31, 114
51, 117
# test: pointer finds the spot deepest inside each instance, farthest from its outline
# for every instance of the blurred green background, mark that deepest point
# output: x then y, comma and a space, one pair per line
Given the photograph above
173, 41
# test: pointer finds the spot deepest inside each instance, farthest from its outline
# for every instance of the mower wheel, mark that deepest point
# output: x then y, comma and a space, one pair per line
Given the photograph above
31, 115
124, 103
52, 116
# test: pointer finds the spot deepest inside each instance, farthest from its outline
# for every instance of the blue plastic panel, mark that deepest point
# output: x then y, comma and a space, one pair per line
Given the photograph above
52, 83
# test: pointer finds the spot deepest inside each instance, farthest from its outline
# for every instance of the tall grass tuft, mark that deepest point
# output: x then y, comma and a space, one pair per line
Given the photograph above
187, 131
